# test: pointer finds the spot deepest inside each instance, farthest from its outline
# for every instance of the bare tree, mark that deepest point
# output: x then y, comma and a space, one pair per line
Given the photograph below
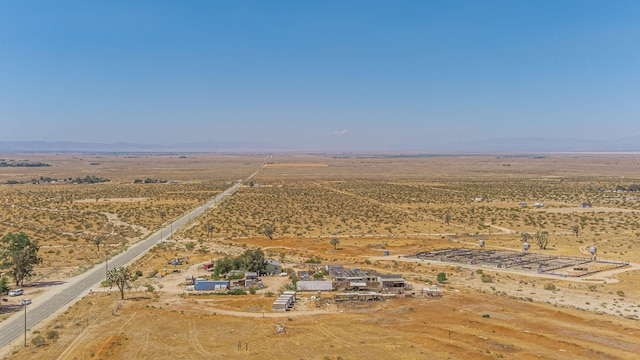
447, 218
542, 239
120, 277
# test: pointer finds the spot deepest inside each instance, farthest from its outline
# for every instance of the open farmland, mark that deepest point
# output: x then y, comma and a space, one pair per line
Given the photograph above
402, 204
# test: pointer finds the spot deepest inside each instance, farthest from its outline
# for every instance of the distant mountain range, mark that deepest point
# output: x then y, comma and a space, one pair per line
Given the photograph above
67, 146
505, 145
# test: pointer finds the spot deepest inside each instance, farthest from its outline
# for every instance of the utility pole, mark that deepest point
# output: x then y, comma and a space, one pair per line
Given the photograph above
25, 324
106, 265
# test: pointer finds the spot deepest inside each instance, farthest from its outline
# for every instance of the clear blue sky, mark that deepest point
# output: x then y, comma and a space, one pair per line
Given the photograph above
341, 75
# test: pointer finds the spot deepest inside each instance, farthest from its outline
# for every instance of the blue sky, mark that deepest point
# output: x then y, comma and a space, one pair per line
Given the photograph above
316, 75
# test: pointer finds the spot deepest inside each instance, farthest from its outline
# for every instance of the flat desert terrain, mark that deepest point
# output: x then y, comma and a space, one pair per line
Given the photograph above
371, 204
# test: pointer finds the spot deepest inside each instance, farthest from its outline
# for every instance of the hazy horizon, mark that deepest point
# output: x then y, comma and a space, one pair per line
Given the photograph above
341, 76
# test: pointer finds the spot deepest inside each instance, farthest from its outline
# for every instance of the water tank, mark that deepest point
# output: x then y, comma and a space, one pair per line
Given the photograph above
481, 243
593, 250
525, 246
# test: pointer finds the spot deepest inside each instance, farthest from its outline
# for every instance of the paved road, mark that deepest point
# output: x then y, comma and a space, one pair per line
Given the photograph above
75, 288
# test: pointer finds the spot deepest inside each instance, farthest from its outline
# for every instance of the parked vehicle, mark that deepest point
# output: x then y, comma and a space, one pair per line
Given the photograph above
26, 301
16, 292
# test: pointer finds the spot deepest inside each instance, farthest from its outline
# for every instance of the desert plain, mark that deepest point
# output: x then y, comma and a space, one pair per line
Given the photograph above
372, 203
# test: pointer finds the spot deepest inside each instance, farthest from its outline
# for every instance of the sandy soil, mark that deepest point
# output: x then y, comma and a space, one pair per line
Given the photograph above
458, 326
515, 315
112, 200
296, 165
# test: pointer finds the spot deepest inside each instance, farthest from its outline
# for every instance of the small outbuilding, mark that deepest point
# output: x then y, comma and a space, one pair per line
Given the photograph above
272, 266
314, 285
215, 285
285, 301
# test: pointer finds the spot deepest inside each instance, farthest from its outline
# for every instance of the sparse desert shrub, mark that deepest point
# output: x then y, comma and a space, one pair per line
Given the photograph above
53, 334
486, 278
38, 341
550, 286
236, 292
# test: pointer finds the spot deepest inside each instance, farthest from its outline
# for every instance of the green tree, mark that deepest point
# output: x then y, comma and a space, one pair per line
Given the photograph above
269, 230
335, 241
542, 239
253, 260
19, 255
223, 266
4, 289
120, 277
250, 260
442, 277
525, 236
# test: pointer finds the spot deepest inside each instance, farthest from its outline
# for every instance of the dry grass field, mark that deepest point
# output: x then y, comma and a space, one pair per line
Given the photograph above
402, 202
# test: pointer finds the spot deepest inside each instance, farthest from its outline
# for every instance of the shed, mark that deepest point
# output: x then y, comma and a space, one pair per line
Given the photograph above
272, 266
188, 279
285, 301
314, 285
393, 281
211, 285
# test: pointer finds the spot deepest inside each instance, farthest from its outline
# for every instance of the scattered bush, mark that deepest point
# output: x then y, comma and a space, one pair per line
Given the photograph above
549, 286
236, 292
38, 341
486, 278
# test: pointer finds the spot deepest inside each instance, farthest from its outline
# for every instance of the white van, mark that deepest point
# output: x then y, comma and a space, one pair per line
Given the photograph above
16, 292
